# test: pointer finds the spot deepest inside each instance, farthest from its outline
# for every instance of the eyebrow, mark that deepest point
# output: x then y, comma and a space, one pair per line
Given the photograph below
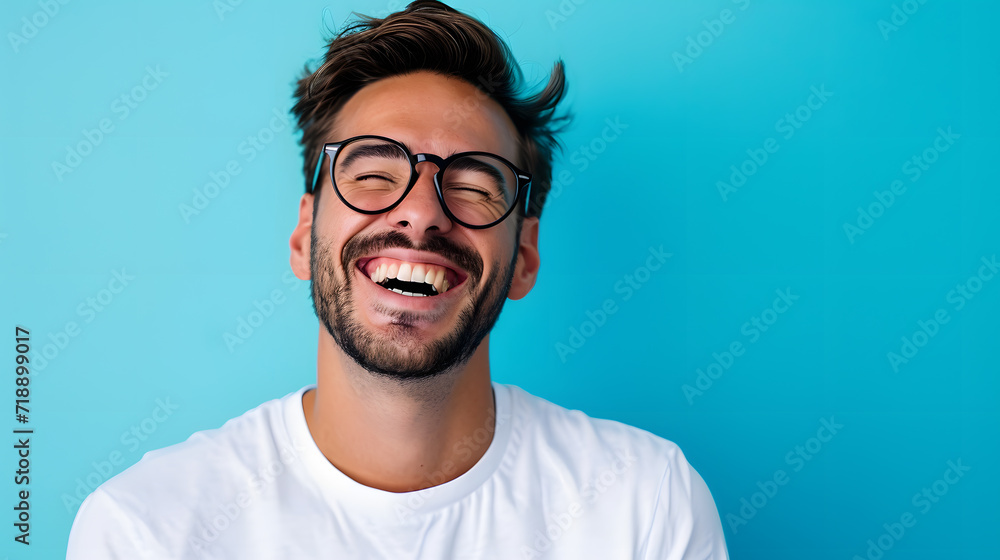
373, 150
473, 164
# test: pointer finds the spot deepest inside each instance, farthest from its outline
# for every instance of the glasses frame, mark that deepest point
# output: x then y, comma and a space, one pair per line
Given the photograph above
332, 149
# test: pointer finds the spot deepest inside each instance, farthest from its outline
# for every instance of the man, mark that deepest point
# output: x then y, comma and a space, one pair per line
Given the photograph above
425, 177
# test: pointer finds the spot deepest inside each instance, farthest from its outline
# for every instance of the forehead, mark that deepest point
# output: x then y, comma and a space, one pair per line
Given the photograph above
431, 113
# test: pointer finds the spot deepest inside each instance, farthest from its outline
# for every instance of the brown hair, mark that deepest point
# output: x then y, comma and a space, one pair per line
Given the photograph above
430, 35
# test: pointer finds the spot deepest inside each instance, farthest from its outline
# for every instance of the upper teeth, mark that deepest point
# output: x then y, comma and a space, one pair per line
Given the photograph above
429, 274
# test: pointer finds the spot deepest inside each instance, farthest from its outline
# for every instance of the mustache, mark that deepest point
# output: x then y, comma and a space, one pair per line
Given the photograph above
360, 246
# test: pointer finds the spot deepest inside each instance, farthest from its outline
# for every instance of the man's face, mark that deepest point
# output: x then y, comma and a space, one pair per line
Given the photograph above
411, 336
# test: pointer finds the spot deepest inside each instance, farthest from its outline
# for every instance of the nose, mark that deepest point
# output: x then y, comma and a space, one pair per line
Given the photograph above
421, 210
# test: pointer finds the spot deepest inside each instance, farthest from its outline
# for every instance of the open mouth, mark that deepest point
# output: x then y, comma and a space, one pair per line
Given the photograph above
417, 279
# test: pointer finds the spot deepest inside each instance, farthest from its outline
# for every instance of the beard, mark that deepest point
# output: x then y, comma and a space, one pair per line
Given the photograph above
399, 353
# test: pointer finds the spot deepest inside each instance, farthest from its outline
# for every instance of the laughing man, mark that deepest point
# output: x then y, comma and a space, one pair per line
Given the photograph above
426, 171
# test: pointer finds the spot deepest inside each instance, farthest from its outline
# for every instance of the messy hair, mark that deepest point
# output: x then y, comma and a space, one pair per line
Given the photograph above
430, 35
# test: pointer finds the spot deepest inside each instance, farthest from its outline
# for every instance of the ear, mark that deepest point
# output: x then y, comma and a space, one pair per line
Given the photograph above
301, 240
528, 260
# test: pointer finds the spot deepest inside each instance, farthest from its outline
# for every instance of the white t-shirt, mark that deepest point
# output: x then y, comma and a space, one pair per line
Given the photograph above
553, 483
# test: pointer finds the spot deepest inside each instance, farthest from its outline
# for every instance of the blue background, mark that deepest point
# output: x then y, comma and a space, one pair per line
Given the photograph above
652, 182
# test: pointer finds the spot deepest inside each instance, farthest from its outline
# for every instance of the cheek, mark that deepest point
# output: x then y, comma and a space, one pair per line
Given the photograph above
511, 241
334, 226
327, 215
499, 254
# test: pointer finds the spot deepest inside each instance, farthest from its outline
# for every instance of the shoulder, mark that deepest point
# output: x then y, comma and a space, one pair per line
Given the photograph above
644, 478
242, 441
166, 482
580, 437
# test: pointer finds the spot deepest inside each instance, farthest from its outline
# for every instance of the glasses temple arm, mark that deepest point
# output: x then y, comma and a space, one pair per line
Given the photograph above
328, 150
527, 193
319, 165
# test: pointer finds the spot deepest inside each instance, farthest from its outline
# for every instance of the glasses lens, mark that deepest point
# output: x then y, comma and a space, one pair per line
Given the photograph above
371, 174
478, 190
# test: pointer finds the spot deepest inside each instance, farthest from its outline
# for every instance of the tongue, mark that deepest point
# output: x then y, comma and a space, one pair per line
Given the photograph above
413, 287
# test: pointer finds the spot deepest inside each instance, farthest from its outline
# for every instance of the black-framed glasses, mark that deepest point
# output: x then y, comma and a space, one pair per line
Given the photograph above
373, 174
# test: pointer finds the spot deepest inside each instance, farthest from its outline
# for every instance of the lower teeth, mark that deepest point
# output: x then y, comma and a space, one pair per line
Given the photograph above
398, 291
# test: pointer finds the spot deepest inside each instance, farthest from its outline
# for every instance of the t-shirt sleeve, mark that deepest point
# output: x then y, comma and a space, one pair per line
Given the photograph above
103, 530
686, 523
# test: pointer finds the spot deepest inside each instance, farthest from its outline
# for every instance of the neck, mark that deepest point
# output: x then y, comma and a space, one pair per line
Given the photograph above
399, 436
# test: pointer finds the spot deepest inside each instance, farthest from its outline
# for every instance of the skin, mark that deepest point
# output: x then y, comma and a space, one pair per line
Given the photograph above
386, 432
